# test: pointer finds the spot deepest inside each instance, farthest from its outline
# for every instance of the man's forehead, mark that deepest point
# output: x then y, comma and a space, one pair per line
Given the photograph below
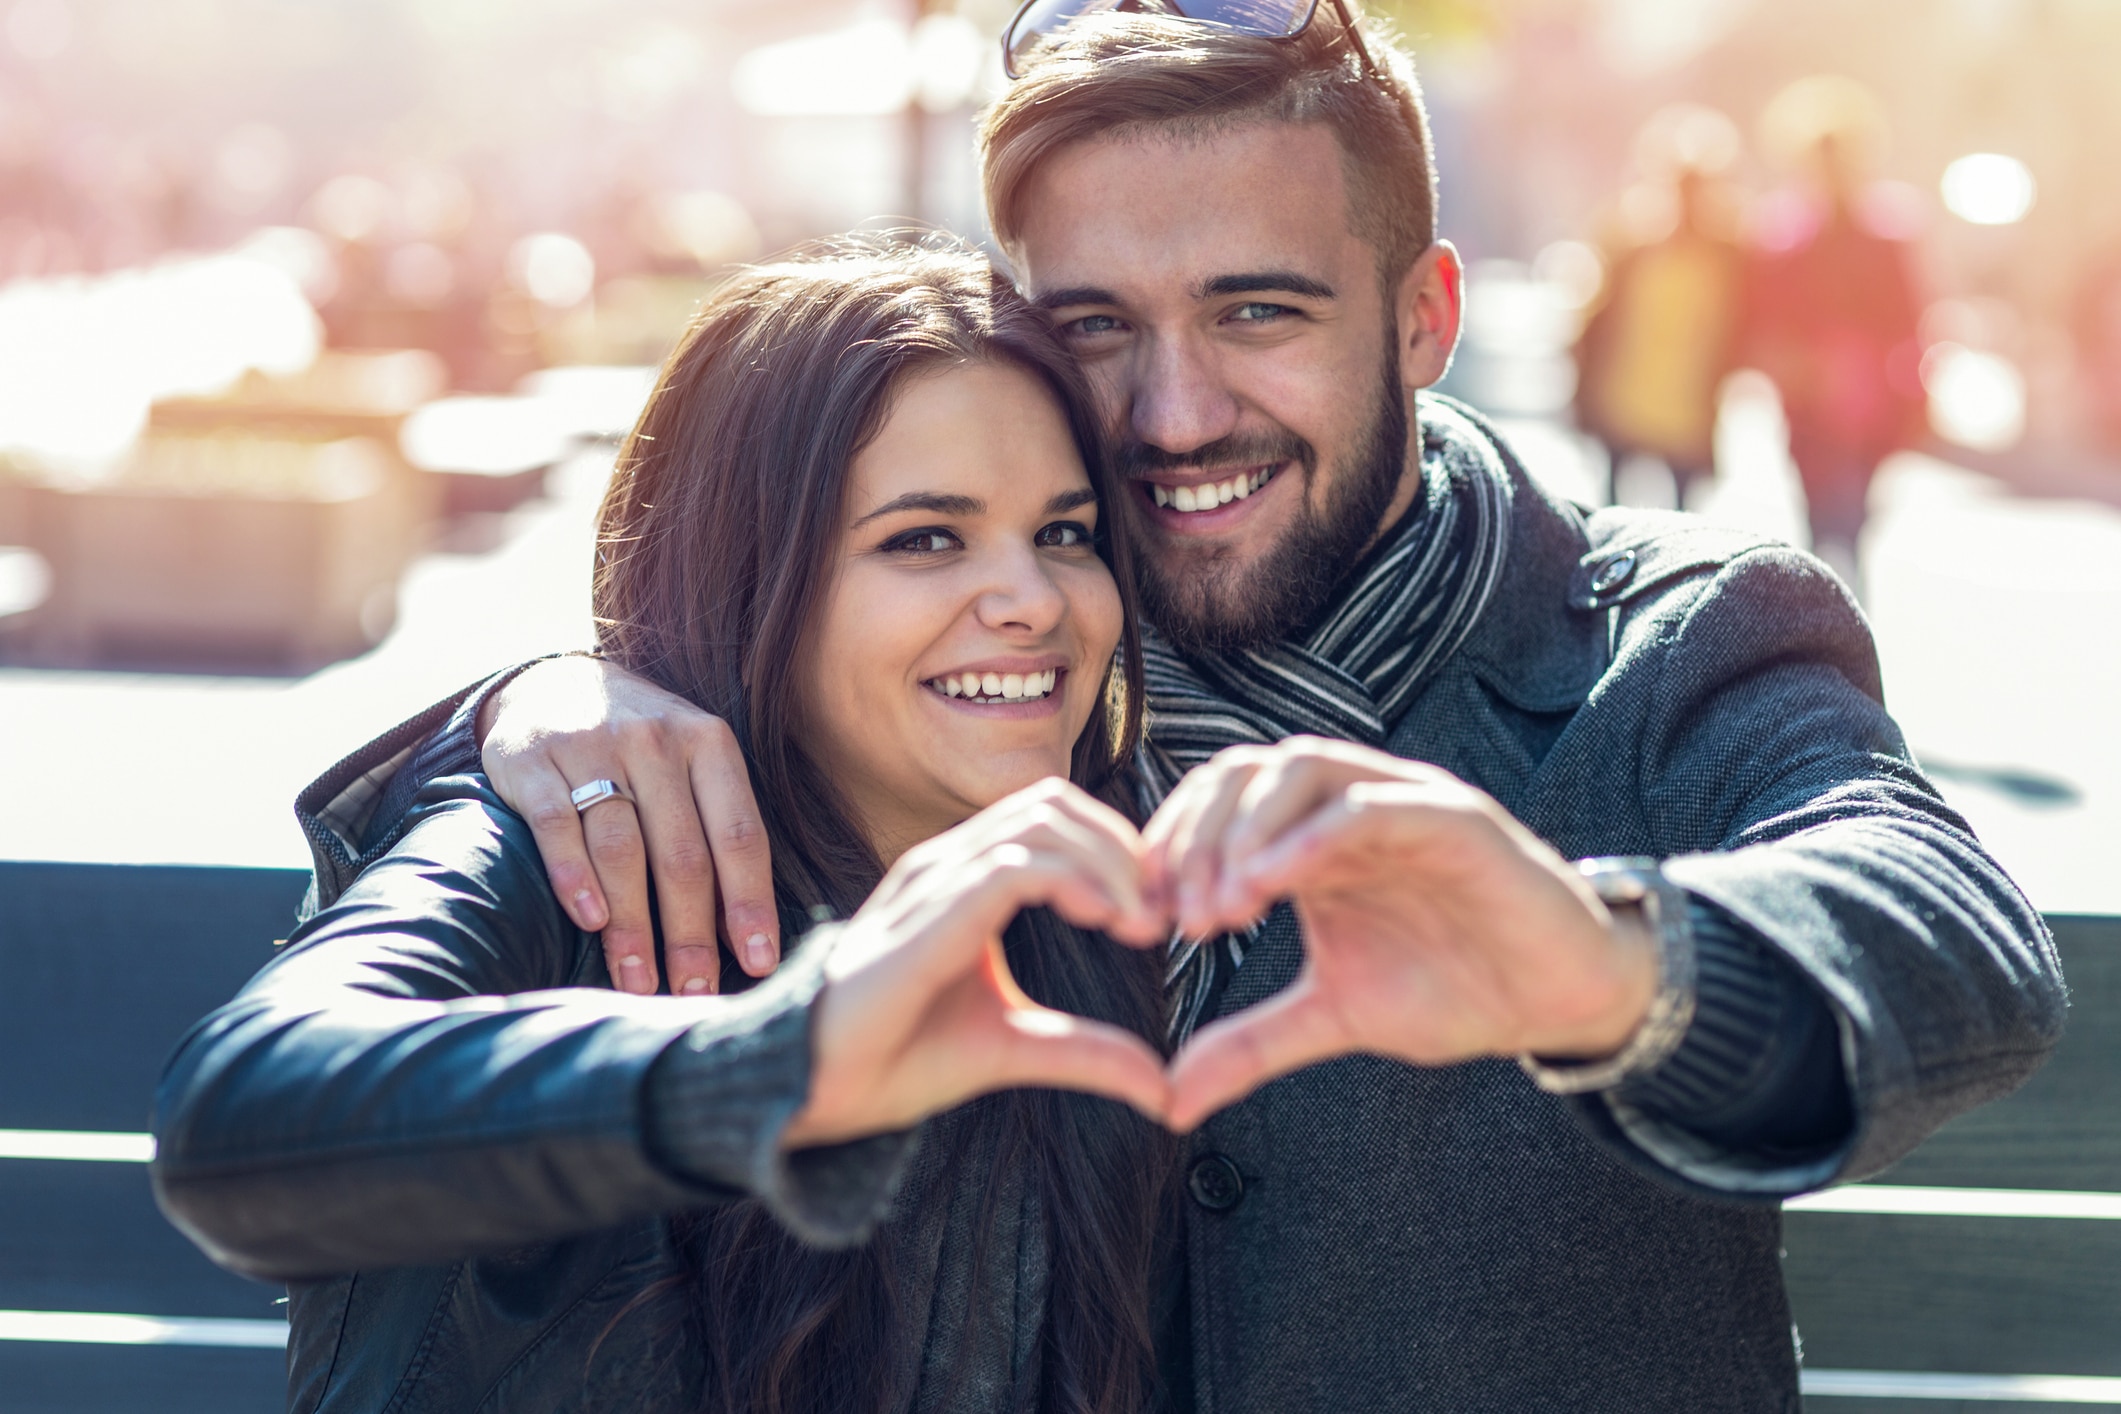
1173, 213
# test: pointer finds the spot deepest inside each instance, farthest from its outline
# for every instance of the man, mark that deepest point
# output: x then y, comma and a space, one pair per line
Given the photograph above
1486, 1132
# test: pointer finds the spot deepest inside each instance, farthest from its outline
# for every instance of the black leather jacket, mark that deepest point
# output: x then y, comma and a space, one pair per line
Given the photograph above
433, 1119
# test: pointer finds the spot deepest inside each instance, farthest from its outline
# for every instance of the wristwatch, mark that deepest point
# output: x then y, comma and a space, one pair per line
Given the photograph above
1638, 885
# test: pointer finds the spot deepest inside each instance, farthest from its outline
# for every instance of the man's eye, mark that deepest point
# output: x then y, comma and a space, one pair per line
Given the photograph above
1065, 535
1092, 325
1258, 312
922, 542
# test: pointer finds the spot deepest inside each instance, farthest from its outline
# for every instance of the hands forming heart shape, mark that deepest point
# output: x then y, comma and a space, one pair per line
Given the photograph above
1436, 929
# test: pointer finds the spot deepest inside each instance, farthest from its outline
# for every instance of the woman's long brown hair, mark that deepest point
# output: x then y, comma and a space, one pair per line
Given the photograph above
716, 547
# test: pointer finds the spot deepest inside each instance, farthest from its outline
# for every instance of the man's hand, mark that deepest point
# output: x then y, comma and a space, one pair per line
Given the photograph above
919, 1012
1437, 928
564, 723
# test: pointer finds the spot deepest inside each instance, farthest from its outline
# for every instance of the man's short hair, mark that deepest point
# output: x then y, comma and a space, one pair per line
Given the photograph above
1150, 74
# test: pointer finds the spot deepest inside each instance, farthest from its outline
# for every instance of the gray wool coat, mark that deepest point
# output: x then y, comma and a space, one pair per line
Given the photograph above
1364, 1234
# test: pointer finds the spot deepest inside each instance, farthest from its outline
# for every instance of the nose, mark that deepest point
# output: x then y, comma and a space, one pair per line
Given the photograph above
1021, 600
1176, 402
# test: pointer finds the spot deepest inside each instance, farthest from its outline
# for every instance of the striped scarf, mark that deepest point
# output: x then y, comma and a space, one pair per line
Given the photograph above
1404, 613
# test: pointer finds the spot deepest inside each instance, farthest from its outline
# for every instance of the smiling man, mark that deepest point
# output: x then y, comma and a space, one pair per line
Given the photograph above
1472, 1127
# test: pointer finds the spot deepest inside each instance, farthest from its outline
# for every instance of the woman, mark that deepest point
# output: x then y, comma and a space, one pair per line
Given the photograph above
860, 521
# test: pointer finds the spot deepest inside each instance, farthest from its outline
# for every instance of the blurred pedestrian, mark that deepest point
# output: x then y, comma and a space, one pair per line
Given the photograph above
1659, 340
1832, 313
2099, 348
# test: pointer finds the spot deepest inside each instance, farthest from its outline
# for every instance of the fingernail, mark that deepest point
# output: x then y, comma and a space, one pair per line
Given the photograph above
758, 953
694, 985
585, 904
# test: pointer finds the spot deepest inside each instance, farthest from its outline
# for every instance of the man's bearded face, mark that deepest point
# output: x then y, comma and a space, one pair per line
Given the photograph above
1213, 599
1252, 366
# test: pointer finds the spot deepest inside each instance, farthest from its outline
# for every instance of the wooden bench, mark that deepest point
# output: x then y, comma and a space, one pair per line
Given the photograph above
105, 1308
1983, 1274
2001, 1289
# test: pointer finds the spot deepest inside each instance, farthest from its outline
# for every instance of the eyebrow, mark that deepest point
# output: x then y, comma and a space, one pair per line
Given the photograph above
1251, 282
965, 507
936, 501
1266, 281
1078, 294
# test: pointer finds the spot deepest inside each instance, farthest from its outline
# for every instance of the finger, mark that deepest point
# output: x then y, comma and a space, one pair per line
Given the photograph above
1099, 841
968, 907
620, 859
1197, 861
742, 860
534, 788
1052, 1049
1170, 834
1414, 816
1228, 1060
1278, 798
682, 871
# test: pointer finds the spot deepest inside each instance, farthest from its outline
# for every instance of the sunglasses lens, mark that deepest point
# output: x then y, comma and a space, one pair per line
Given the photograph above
1273, 19
1037, 21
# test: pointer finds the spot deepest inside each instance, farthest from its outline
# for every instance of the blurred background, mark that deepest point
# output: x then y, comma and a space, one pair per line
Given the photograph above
319, 320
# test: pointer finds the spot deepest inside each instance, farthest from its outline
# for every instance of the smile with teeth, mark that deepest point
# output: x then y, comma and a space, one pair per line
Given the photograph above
1213, 494
997, 687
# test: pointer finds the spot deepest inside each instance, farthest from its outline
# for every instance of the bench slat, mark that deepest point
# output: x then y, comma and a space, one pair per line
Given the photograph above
107, 966
88, 1237
1970, 1295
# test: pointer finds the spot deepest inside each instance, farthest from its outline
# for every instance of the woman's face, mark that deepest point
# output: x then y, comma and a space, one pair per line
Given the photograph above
967, 632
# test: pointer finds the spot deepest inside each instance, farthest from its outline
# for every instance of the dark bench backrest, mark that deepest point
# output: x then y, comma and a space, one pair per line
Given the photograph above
102, 969
2018, 1307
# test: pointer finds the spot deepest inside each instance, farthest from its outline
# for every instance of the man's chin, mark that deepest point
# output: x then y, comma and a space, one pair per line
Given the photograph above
1211, 601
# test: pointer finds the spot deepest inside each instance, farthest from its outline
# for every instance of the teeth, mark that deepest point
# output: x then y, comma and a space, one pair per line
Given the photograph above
998, 687
1208, 497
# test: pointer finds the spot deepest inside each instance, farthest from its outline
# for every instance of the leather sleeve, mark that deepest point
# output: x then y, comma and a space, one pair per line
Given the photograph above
435, 1068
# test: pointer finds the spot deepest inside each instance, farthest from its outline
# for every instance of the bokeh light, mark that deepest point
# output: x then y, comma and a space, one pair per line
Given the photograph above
1988, 189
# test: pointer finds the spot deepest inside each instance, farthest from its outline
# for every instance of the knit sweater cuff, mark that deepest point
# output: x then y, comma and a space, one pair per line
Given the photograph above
1760, 1067
716, 1103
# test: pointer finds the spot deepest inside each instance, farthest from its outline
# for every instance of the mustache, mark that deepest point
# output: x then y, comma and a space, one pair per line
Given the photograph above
1134, 459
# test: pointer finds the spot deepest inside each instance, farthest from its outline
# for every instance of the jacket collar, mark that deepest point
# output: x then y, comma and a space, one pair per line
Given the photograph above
1530, 647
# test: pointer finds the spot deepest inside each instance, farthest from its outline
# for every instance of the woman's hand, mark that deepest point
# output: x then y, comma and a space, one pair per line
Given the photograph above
919, 1012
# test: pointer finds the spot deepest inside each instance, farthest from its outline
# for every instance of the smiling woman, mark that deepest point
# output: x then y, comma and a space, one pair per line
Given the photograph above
860, 520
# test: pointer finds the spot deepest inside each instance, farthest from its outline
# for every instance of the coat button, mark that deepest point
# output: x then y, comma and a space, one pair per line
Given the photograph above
1613, 573
1215, 1183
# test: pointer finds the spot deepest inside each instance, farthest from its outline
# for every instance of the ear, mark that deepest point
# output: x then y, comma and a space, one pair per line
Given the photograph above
1429, 306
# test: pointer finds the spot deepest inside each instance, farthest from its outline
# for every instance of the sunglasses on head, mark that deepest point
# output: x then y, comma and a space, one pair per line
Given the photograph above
1268, 19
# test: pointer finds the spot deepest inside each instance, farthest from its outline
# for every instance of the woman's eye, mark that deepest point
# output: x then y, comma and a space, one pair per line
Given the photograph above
1065, 535
922, 542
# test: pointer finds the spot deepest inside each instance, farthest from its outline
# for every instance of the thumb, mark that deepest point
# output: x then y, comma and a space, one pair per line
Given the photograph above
1228, 1060
1055, 1050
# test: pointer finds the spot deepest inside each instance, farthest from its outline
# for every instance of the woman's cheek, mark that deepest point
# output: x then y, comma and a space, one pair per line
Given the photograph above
1094, 604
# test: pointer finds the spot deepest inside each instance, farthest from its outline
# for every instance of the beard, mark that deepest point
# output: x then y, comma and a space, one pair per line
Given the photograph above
1214, 604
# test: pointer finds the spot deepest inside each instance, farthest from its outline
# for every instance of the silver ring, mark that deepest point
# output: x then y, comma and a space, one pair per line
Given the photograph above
596, 793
